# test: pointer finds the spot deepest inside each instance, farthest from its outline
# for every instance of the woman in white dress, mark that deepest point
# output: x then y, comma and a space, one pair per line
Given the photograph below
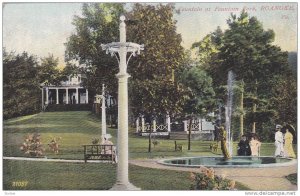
255, 146
279, 152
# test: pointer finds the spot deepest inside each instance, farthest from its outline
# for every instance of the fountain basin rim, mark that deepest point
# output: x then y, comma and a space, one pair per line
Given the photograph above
285, 164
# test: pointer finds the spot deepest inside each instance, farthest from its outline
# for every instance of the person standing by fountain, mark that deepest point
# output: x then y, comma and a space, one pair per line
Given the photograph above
279, 142
244, 147
255, 146
288, 144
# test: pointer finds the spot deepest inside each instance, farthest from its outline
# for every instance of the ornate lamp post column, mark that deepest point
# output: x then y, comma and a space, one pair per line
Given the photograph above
122, 48
103, 112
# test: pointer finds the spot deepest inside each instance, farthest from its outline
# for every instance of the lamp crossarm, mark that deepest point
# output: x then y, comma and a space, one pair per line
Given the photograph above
114, 48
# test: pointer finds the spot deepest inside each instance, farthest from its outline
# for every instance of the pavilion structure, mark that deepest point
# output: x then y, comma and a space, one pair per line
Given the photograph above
68, 92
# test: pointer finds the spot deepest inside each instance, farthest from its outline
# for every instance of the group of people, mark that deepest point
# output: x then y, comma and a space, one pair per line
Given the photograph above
283, 144
249, 148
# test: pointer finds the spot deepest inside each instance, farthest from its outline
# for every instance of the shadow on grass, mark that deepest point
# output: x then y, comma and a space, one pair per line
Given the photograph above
292, 178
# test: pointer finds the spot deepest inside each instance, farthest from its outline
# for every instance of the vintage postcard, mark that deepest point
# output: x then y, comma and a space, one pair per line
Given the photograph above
136, 96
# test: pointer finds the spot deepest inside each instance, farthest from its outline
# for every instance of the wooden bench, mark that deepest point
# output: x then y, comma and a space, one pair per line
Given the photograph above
99, 152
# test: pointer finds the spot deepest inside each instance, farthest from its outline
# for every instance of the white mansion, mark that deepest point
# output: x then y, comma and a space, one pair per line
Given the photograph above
69, 92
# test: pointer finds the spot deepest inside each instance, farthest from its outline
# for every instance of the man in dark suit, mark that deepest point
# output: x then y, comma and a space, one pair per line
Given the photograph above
244, 147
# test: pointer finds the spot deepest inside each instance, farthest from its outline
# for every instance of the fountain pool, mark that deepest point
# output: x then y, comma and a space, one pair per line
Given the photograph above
234, 162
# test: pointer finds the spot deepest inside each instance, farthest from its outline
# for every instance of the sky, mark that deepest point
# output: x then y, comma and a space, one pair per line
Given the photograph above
42, 28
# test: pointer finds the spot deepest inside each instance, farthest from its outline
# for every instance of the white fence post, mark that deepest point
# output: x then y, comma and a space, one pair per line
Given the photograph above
154, 125
137, 122
168, 123
185, 126
143, 124
200, 123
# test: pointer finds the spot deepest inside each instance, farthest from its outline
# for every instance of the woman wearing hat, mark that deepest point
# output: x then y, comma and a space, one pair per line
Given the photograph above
279, 142
288, 143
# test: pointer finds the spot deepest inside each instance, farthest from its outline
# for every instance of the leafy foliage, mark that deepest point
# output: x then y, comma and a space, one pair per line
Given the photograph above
48, 71
247, 49
207, 180
98, 24
154, 87
201, 93
284, 90
208, 48
32, 145
21, 93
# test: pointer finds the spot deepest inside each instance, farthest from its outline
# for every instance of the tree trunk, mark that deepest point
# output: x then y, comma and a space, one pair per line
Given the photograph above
242, 111
254, 106
254, 123
150, 141
190, 133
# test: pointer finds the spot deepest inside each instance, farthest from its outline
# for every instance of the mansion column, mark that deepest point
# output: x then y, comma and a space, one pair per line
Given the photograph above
77, 96
47, 95
86, 96
57, 100
43, 102
67, 96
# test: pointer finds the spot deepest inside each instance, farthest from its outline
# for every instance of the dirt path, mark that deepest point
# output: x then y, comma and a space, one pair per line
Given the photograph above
258, 179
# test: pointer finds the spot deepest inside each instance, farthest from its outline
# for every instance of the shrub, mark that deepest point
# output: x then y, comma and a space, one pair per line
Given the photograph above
207, 180
32, 145
155, 143
95, 141
53, 145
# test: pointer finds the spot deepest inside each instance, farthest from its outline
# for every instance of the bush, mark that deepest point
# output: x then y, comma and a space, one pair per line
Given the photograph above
32, 145
53, 145
95, 141
207, 180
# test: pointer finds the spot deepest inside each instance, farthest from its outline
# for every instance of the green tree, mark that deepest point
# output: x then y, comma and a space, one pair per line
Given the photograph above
285, 98
208, 48
21, 93
48, 72
247, 49
201, 98
153, 85
98, 24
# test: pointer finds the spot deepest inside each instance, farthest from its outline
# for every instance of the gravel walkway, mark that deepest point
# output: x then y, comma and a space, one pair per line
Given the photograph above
258, 179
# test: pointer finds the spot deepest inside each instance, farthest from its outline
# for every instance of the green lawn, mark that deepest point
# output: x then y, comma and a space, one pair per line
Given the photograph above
90, 176
77, 129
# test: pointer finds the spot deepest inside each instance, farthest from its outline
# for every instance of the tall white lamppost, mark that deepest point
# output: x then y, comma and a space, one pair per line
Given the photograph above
103, 112
122, 48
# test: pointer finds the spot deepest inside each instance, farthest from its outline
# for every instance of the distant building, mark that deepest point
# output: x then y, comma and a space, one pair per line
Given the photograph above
68, 92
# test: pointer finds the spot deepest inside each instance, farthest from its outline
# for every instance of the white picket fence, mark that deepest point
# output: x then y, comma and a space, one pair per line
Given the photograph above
197, 125
142, 127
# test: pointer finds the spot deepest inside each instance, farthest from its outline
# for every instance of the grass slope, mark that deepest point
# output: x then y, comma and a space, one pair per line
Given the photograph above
76, 129
79, 127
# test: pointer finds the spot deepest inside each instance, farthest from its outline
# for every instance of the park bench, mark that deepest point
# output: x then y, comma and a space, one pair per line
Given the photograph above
99, 152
